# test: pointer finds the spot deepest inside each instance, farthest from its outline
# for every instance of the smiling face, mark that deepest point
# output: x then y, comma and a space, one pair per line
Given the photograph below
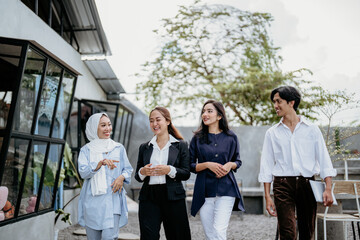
158, 123
104, 128
282, 107
209, 115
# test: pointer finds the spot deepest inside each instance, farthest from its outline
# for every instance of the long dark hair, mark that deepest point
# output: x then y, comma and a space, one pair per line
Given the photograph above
203, 130
171, 128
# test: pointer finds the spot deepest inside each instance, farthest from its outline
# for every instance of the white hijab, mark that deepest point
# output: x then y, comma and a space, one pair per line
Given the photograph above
97, 147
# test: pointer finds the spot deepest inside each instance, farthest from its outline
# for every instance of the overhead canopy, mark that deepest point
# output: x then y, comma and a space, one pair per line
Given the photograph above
106, 78
87, 27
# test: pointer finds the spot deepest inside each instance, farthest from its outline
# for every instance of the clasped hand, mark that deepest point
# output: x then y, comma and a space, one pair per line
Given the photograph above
158, 170
108, 162
118, 184
219, 169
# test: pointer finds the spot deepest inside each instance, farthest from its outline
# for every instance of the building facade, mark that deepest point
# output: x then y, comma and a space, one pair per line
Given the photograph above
54, 76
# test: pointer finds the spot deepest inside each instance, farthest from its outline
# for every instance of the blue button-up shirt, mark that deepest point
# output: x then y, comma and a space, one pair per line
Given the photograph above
97, 212
222, 148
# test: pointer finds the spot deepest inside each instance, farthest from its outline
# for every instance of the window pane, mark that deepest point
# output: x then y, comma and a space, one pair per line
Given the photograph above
127, 136
48, 99
50, 175
123, 127
118, 124
30, 4
85, 114
33, 175
29, 89
44, 8
72, 132
63, 107
9, 69
14, 166
5, 102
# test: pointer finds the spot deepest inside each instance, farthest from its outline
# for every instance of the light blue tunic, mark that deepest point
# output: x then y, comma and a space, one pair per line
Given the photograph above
97, 212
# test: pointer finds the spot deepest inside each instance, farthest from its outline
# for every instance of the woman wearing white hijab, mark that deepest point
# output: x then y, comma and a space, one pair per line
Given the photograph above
104, 165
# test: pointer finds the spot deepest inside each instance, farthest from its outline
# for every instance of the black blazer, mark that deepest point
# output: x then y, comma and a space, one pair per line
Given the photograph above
178, 157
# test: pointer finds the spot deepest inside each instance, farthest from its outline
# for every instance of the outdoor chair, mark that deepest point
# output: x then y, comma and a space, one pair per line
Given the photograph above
341, 187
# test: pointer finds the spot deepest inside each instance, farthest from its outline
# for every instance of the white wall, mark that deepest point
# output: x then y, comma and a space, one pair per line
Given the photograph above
18, 21
71, 208
39, 228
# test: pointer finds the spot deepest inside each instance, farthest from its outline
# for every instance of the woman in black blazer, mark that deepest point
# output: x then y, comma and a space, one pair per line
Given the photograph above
163, 163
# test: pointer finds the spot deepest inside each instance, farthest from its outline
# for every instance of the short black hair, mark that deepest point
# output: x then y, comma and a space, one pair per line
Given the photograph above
288, 93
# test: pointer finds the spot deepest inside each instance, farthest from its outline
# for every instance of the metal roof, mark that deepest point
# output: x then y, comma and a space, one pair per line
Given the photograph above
87, 27
105, 76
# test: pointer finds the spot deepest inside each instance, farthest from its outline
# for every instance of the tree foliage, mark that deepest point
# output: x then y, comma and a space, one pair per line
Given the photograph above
339, 141
223, 53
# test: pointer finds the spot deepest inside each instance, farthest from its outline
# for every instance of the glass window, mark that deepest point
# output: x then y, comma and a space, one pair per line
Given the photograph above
5, 102
43, 10
48, 99
63, 107
56, 16
29, 86
71, 136
123, 127
9, 62
118, 125
33, 175
127, 131
50, 175
14, 166
85, 114
29, 139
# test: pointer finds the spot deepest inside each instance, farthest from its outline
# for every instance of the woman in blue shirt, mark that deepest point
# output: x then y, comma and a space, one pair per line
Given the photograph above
214, 156
105, 167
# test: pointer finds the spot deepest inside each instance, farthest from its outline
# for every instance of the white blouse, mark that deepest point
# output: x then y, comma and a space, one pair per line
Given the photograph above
160, 157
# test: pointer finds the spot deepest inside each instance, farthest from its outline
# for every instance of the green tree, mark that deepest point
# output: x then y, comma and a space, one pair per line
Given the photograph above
334, 103
223, 53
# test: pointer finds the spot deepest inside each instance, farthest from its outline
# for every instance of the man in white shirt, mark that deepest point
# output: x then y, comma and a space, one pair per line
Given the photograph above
293, 152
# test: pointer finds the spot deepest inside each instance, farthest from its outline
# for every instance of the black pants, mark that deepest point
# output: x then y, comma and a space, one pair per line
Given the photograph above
295, 194
172, 214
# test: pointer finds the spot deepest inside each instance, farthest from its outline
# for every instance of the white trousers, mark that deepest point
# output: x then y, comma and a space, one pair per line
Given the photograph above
215, 215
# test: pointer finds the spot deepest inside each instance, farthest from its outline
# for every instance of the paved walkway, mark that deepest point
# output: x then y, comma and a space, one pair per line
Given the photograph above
245, 226
241, 227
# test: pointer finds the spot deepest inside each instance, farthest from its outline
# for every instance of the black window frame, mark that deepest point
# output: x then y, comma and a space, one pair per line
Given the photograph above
9, 133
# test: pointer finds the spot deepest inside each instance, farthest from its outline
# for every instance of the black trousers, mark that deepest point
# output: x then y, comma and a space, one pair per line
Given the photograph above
172, 214
294, 197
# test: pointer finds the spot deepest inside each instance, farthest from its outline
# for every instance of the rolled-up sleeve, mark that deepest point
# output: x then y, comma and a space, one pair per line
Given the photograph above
323, 157
86, 168
267, 160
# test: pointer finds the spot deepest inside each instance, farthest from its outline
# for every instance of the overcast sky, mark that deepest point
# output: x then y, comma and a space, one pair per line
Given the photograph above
322, 35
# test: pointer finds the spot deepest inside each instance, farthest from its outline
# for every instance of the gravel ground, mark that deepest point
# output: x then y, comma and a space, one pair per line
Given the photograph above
245, 226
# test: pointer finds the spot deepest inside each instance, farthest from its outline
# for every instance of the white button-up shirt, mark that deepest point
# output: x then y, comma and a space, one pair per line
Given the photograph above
160, 157
299, 153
